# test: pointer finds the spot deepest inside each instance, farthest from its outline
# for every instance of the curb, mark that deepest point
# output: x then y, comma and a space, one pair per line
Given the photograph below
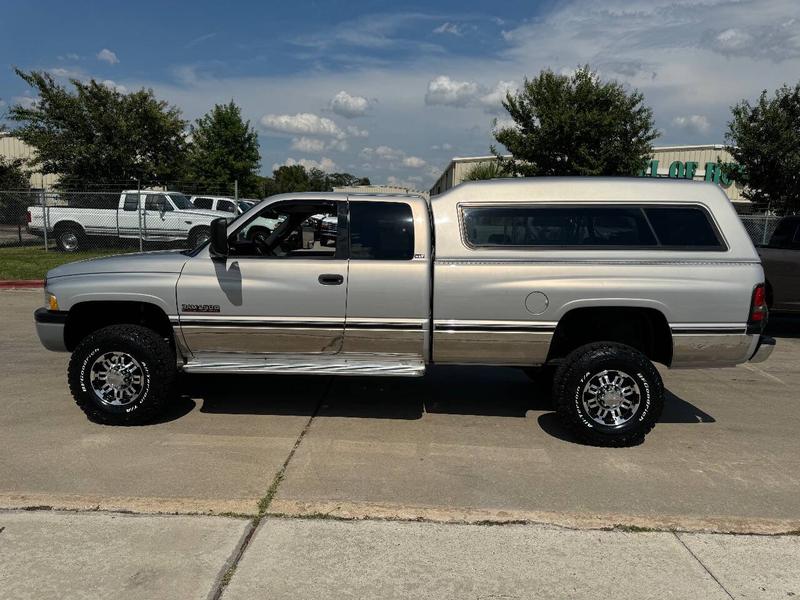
12, 284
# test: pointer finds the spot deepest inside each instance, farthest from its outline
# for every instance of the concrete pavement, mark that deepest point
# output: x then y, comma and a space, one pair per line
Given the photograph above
46, 554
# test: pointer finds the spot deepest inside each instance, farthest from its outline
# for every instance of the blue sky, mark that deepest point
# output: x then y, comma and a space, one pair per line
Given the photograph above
394, 90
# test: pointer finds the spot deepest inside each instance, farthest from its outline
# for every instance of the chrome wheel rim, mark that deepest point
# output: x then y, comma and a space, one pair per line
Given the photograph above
69, 240
611, 398
117, 379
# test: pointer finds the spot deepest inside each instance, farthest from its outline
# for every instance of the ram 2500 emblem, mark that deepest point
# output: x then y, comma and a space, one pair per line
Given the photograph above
200, 308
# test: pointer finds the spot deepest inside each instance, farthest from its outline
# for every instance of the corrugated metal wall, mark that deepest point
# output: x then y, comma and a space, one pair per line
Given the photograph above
12, 148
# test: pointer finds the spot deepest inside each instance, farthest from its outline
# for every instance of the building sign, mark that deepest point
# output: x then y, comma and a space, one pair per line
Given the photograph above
689, 170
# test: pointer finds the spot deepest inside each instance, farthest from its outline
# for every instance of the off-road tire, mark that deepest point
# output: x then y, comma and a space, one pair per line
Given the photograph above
152, 352
586, 362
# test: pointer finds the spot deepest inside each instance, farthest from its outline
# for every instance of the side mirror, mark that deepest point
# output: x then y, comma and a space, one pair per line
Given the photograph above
219, 237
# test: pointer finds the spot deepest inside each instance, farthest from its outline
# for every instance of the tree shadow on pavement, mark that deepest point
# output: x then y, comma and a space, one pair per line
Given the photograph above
481, 391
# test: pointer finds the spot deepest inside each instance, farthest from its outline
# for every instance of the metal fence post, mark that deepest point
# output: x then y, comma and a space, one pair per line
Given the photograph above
139, 211
766, 230
236, 191
44, 218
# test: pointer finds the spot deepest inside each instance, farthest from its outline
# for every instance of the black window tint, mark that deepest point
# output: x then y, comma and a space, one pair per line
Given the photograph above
381, 231
156, 203
576, 226
131, 202
683, 226
226, 206
202, 203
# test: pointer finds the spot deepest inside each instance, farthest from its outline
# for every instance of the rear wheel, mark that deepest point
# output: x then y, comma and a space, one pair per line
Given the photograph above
608, 394
122, 374
69, 238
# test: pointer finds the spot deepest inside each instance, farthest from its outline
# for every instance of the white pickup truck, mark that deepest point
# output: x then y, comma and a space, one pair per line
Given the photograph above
155, 215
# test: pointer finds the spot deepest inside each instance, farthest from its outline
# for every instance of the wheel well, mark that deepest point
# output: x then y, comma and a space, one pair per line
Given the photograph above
62, 225
87, 317
645, 329
197, 228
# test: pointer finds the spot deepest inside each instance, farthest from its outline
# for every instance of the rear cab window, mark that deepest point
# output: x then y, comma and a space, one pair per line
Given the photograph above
600, 227
381, 231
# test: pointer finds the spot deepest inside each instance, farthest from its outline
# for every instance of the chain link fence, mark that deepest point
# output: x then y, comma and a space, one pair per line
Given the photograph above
760, 227
118, 220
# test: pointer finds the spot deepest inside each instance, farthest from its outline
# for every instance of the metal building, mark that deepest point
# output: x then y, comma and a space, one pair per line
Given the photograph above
12, 148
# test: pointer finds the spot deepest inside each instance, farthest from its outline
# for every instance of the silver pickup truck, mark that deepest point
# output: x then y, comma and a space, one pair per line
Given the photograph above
593, 279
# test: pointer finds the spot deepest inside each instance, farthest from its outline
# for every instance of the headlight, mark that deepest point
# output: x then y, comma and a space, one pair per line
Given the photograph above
50, 301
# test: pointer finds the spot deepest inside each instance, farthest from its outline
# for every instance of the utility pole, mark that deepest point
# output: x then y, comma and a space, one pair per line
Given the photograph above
236, 191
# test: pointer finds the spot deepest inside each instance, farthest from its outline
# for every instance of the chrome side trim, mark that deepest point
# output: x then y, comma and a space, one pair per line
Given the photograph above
298, 364
700, 350
498, 347
589, 261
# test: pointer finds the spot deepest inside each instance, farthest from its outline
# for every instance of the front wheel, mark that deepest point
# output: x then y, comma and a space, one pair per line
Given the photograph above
122, 375
608, 394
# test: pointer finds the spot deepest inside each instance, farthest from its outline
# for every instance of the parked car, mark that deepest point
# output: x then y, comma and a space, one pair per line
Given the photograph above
598, 278
157, 216
781, 261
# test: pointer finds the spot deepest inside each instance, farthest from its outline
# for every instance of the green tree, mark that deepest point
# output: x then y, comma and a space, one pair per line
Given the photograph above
764, 140
99, 135
224, 149
576, 125
14, 183
296, 178
486, 170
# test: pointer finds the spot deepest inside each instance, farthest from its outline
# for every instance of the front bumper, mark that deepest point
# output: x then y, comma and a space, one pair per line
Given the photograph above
50, 326
764, 349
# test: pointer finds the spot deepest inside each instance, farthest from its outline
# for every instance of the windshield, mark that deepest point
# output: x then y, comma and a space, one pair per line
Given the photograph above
180, 201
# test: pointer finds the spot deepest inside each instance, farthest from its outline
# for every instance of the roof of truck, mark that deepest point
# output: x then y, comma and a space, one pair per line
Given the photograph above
602, 189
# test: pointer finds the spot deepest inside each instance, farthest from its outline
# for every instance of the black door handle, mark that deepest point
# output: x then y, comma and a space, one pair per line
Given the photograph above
331, 279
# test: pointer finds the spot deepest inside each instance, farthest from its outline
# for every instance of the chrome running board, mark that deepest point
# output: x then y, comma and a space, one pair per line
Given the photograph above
390, 365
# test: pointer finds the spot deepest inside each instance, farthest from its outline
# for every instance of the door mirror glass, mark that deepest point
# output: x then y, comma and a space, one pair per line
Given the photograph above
219, 237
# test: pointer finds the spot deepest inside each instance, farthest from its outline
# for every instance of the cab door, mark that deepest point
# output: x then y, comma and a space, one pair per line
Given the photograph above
267, 299
160, 221
388, 302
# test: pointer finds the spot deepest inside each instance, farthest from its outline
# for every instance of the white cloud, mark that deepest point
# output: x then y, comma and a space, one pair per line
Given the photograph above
324, 164
306, 144
449, 92
778, 41
415, 162
315, 145
393, 157
345, 105
108, 56
354, 131
446, 91
444, 146
693, 123
447, 27
492, 101
302, 123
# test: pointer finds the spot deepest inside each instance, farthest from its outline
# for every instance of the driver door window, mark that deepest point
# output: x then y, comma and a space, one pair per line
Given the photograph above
295, 229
